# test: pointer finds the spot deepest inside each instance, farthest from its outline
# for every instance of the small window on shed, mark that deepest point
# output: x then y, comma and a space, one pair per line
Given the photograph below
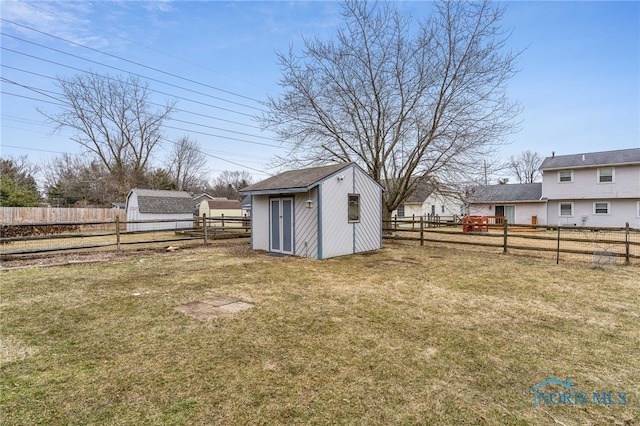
354, 207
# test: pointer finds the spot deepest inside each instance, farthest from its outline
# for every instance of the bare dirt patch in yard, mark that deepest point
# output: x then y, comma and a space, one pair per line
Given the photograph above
213, 308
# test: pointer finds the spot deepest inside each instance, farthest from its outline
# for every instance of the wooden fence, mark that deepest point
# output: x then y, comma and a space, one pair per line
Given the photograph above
48, 237
13, 215
603, 245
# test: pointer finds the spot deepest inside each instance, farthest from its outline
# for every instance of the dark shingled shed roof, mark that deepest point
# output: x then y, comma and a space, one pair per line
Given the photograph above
508, 193
592, 159
295, 180
160, 201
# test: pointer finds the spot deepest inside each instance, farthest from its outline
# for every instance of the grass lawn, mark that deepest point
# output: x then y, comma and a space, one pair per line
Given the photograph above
405, 335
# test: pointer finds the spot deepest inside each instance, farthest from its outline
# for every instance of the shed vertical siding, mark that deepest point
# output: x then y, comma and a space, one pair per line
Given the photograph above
306, 225
337, 232
368, 232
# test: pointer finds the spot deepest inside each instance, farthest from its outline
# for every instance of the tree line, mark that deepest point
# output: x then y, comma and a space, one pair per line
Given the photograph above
74, 181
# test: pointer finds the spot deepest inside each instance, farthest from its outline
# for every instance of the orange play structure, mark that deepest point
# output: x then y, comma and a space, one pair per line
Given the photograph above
475, 224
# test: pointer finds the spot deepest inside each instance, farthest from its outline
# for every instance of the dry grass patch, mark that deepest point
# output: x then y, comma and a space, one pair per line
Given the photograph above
404, 335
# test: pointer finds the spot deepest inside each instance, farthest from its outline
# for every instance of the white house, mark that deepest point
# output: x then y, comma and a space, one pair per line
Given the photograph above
429, 199
593, 189
319, 212
172, 209
590, 189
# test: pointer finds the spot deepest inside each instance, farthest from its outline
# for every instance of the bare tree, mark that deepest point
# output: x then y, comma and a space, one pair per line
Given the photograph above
112, 119
401, 103
525, 166
186, 164
228, 183
78, 181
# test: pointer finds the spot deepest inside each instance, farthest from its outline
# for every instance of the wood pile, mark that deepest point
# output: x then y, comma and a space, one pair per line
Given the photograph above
18, 231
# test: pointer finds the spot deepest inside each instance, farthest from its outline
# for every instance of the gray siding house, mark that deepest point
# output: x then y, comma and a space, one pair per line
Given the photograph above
590, 189
154, 205
319, 212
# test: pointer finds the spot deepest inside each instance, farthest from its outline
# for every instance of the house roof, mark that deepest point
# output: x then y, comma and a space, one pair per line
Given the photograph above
224, 204
519, 192
592, 159
423, 189
294, 180
161, 201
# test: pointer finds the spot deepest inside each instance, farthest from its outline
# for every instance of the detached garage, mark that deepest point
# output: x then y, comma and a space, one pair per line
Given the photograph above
176, 207
320, 212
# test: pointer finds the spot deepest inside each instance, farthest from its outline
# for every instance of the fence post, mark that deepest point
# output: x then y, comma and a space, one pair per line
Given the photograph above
204, 227
421, 230
626, 243
222, 215
558, 249
504, 245
117, 233
395, 223
413, 222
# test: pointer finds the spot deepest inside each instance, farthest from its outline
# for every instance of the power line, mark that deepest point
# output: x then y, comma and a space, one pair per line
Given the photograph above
137, 75
123, 70
169, 119
150, 103
114, 35
133, 62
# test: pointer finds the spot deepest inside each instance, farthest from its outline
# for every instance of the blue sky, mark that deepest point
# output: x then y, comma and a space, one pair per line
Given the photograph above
579, 79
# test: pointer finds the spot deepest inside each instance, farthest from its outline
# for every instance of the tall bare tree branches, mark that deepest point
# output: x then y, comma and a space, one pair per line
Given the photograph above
402, 102
525, 166
112, 119
186, 164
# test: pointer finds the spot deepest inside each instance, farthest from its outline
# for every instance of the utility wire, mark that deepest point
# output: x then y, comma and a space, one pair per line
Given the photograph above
155, 91
135, 63
150, 103
114, 35
39, 91
126, 71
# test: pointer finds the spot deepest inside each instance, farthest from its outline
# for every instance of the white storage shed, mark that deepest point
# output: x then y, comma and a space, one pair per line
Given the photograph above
319, 212
173, 208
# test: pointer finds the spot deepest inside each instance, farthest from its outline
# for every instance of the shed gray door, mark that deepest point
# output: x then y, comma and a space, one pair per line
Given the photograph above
281, 225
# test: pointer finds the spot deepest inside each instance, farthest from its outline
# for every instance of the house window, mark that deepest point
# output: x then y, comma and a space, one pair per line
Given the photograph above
566, 209
443, 209
605, 175
601, 207
354, 207
400, 212
565, 176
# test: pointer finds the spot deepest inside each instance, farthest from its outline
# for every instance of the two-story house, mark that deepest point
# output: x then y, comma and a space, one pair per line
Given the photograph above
593, 189
590, 189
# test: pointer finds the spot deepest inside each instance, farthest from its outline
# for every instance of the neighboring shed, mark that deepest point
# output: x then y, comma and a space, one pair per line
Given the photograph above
518, 203
155, 205
319, 212
218, 207
197, 199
